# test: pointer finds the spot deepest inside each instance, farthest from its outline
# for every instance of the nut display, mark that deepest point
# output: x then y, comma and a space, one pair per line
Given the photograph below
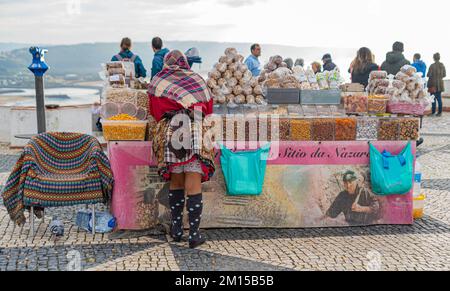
142, 99
117, 81
355, 102
122, 117
345, 129
367, 128
124, 130
300, 130
377, 104
284, 129
251, 128
265, 128
120, 95
388, 129
323, 129
115, 65
231, 82
409, 129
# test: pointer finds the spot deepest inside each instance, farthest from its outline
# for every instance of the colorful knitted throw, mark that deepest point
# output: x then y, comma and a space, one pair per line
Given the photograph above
58, 169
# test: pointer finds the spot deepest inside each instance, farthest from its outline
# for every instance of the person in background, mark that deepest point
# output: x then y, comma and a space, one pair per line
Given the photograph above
395, 60
420, 66
179, 100
300, 63
126, 55
252, 61
193, 56
436, 76
362, 66
160, 53
328, 64
316, 67
289, 62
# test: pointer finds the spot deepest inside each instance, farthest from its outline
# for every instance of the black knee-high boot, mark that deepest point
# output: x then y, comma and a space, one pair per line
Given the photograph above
195, 208
176, 203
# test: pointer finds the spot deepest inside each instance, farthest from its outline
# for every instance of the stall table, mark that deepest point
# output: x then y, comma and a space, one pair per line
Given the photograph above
303, 189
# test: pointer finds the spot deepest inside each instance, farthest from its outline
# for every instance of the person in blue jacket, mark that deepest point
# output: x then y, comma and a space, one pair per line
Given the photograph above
420, 66
126, 55
160, 53
252, 61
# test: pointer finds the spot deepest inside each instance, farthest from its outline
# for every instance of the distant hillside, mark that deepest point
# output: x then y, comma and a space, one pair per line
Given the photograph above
4, 47
86, 59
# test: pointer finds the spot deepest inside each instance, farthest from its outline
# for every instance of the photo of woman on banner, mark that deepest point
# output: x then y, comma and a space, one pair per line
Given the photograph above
355, 202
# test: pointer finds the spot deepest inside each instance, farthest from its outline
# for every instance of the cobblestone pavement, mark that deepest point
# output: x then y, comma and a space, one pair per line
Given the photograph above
423, 246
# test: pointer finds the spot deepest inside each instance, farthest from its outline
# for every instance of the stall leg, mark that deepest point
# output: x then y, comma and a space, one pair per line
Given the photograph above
32, 220
93, 219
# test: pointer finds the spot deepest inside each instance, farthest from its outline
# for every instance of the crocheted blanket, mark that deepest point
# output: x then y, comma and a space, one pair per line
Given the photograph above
55, 170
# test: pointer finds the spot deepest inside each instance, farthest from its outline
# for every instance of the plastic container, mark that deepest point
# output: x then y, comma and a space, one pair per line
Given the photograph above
251, 128
265, 127
320, 97
355, 103
309, 110
323, 129
220, 109
283, 96
346, 129
104, 222
235, 109
388, 129
233, 127
127, 130
250, 110
377, 104
409, 129
367, 128
419, 206
337, 111
300, 129
295, 110
417, 179
323, 111
109, 110
284, 129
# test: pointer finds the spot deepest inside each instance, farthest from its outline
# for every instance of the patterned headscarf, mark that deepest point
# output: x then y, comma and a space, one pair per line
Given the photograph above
177, 82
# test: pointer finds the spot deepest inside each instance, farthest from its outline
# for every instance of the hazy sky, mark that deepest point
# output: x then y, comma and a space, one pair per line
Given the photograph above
422, 25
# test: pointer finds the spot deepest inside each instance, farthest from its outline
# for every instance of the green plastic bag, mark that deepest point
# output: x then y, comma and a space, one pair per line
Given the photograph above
391, 175
244, 172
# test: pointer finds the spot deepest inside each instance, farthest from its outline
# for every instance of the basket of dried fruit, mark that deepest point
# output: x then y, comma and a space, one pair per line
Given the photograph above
124, 127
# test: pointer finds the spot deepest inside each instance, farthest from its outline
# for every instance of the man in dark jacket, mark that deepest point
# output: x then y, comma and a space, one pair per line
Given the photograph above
328, 64
395, 60
356, 203
160, 53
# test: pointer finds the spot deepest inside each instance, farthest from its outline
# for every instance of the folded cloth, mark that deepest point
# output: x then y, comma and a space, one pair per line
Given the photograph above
58, 169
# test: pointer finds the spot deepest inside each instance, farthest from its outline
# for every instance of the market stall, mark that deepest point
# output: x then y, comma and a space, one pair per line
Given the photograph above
303, 187
320, 134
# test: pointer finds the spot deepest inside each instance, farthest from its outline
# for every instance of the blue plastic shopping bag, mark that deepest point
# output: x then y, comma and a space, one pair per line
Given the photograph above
391, 175
244, 171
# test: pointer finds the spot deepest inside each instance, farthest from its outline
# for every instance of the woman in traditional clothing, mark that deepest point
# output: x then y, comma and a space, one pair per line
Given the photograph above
179, 102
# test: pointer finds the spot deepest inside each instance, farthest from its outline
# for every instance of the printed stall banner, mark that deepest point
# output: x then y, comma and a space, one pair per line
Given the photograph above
307, 185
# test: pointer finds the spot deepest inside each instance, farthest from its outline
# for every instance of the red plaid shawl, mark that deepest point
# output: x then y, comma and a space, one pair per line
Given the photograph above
178, 83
